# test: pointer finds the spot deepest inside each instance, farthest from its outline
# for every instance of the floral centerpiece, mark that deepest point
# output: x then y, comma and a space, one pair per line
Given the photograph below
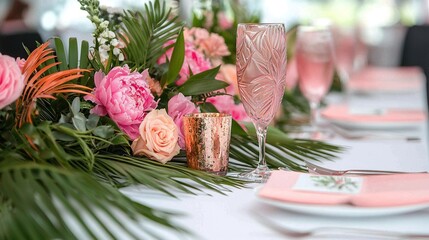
77, 124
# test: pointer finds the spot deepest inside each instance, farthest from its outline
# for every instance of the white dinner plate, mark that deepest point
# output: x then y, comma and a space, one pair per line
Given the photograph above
373, 125
342, 210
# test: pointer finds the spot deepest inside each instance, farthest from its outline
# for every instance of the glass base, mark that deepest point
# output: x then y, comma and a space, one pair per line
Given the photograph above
312, 133
259, 175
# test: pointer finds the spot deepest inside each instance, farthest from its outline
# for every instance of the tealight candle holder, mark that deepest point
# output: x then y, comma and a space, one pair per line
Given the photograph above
207, 139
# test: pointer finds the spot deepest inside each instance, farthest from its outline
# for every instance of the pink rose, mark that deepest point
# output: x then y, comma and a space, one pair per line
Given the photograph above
228, 74
292, 74
225, 104
208, 16
154, 86
223, 21
11, 81
194, 60
178, 106
124, 96
158, 137
214, 46
21, 63
195, 35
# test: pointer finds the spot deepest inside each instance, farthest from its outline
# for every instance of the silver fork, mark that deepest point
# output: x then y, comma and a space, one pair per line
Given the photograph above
344, 231
351, 135
312, 168
337, 231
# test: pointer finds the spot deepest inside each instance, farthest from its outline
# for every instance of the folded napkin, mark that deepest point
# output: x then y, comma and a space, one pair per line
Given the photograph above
366, 191
387, 79
343, 113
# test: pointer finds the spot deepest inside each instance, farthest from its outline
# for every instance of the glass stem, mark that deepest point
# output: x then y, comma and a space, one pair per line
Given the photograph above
314, 114
262, 135
344, 84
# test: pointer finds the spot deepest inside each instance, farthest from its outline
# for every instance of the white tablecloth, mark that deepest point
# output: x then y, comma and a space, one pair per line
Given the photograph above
240, 215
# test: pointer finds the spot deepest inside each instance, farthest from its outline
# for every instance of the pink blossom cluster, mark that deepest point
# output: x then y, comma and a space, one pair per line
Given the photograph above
226, 104
211, 44
194, 61
224, 22
179, 106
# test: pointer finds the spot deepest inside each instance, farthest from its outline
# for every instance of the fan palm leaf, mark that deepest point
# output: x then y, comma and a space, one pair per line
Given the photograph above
281, 151
40, 84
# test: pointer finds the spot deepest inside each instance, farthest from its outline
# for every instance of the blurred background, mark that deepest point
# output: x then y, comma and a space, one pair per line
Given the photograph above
382, 24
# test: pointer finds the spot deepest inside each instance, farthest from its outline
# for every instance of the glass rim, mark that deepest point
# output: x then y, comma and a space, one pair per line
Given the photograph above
259, 24
312, 28
207, 115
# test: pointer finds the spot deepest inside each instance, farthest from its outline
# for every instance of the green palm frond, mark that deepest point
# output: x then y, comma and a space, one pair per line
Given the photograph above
41, 201
281, 151
126, 170
62, 145
145, 34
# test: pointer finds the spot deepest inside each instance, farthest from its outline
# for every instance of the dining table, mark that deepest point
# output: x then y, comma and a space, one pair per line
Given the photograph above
239, 213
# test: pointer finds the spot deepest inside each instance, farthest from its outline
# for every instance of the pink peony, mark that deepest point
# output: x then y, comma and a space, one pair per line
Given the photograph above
124, 96
178, 106
158, 137
194, 60
11, 81
225, 104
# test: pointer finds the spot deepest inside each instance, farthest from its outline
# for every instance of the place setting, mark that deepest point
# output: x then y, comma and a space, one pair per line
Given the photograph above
337, 203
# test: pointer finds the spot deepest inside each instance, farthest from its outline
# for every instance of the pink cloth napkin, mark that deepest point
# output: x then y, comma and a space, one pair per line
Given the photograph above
387, 79
341, 112
376, 190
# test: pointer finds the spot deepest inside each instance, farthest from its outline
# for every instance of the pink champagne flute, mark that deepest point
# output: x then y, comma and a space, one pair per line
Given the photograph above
261, 76
315, 63
345, 48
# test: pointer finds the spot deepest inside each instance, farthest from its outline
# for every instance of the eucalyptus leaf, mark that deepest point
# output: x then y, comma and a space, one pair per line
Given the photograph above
79, 122
92, 121
103, 131
64, 119
119, 140
75, 107
63, 137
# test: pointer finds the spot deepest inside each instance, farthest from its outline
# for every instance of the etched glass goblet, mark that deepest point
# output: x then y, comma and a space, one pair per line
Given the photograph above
261, 76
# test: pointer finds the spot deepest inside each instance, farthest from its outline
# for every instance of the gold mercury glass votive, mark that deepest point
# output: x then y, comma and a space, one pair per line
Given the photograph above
207, 137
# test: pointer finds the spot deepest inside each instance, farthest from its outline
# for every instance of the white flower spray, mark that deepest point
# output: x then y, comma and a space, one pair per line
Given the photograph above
107, 47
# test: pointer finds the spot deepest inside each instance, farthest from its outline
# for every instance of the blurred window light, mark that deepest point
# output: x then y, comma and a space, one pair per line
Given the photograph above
379, 13
48, 20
